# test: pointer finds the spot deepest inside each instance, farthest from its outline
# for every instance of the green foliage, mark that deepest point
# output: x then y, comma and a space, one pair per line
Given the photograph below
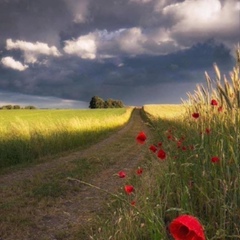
192, 183
97, 102
30, 107
111, 103
9, 107
16, 107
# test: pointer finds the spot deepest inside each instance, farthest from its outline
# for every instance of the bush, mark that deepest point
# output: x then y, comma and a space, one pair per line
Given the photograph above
30, 107
97, 102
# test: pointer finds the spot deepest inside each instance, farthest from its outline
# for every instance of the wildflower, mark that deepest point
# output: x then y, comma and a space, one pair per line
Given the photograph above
184, 148
215, 159
195, 115
139, 171
129, 189
191, 147
169, 137
220, 109
179, 143
186, 227
153, 148
214, 102
133, 203
208, 130
161, 154
122, 174
159, 144
141, 138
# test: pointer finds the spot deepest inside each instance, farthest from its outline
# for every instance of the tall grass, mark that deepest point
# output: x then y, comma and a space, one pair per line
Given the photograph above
27, 135
200, 175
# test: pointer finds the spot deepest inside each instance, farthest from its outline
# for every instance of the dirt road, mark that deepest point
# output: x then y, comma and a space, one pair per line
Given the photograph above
40, 203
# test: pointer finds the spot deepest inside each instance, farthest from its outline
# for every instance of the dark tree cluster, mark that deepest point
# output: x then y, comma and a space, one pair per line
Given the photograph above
97, 102
9, 107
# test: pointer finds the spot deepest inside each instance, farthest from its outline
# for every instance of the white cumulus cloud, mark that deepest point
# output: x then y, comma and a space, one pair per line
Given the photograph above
131, 41
84, 47
126, 41
157, 41
200, 20
188, 22
9, 62
195, 12
32, 50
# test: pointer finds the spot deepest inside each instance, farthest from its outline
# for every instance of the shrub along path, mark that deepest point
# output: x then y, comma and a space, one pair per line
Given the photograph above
41, 203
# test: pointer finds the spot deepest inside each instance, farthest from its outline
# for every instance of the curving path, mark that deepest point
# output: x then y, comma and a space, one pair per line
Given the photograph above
65, 216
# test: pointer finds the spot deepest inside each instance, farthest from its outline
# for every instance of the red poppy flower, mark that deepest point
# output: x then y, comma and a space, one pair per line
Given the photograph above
208, 130
220, 109
159, 144
129, 189
153, 148
139, 171
186, 227
195, 115
122, 174
191, 147
161, 154
133, 203
141, 138
184, 148
169, 137
179, 143
214, 102
215, 159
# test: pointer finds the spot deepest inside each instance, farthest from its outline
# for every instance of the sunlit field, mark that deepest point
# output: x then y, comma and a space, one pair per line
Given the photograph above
164, 111
189, 186
27, 135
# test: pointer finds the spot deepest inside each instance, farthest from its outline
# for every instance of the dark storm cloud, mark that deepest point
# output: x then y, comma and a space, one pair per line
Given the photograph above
23, 100
134, 50
111, 15
123, 79
33, 20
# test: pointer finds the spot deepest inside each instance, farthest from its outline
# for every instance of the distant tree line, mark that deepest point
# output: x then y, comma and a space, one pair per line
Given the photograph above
97, 102
10, 107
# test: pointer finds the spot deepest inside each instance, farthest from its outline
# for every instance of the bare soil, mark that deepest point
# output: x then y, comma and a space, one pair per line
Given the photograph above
41, 203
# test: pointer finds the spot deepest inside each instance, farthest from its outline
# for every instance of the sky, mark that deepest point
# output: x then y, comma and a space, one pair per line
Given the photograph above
61, 53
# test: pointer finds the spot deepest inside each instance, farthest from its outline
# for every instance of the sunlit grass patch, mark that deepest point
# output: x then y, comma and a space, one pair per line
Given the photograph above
162, 111
28, 135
